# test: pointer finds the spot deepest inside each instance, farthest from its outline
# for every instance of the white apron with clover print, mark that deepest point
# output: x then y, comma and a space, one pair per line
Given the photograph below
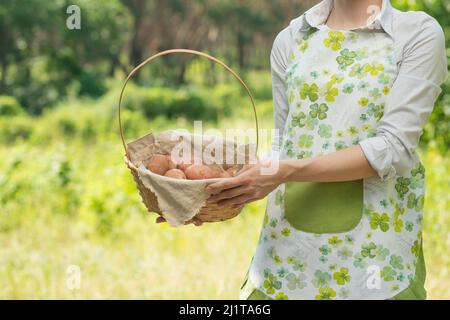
337, 84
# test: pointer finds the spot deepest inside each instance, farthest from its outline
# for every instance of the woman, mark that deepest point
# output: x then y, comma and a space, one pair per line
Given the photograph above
344, 213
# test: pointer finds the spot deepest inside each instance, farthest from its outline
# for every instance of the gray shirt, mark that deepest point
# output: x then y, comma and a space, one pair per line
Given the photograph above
419, 48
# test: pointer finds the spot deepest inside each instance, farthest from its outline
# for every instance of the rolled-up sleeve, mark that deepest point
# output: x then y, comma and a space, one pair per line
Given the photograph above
409, 103
279, 61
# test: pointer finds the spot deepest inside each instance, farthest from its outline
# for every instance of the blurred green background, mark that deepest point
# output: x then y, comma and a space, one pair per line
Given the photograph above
66, 197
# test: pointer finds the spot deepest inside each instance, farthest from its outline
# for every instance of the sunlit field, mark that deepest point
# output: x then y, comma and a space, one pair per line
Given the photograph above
67, 199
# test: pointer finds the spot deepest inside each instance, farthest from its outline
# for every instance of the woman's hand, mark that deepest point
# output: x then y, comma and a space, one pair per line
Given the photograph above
255, 182
249, 185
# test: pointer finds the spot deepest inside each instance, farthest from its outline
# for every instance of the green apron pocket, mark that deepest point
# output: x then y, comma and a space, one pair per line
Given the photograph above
324, 207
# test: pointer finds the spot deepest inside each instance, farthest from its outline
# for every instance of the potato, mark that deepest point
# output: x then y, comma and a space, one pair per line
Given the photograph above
158, 164
227, 166
232, 171
225, 174
218, 171
186, 164
172, 164
200, 172
176, 174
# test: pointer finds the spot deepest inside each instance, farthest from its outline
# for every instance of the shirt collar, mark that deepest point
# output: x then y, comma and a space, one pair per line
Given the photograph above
318, 15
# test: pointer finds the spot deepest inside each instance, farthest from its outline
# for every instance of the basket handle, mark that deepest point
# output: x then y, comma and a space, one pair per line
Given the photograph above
198, 53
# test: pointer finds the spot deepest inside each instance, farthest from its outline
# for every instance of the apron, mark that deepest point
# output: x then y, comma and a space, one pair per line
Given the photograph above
343, 240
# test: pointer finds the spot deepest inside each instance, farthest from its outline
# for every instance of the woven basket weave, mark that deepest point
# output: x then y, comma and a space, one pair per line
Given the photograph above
209, 212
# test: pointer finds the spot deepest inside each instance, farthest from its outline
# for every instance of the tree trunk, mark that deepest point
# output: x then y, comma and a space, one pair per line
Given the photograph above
136, 46
4, 67
137, 9
114, 65
241, 50
4, 64
180, 80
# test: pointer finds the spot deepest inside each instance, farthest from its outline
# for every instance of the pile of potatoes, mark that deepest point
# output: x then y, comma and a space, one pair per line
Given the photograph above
164, 166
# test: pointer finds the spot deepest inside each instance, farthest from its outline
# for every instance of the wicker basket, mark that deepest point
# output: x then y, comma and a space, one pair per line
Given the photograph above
209, 212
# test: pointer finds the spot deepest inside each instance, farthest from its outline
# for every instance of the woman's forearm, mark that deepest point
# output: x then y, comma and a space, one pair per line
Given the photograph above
346, 165
251, 184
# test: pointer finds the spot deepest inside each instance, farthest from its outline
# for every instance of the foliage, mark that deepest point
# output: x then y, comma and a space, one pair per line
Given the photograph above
42, 61
9, 106
41, 71
437, 131
172, 103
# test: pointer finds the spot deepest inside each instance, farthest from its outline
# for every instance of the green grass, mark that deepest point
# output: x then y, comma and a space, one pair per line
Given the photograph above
66, 198
437, 226
96, 221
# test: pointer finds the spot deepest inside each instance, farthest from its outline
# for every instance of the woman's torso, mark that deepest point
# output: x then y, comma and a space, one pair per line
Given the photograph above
320, 241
